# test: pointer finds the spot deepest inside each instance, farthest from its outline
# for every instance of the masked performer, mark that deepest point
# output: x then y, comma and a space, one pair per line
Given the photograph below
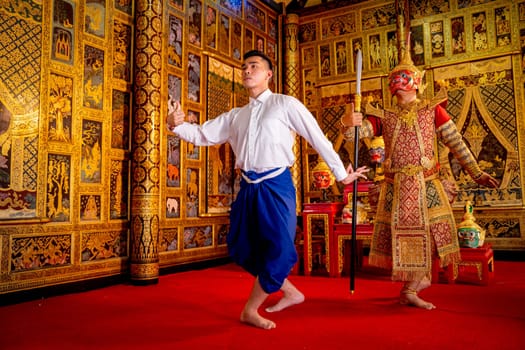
414, 220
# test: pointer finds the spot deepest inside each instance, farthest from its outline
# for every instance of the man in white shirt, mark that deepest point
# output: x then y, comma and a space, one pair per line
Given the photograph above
263, 216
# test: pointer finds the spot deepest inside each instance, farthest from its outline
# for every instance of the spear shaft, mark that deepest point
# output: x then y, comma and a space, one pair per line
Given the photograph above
357, 107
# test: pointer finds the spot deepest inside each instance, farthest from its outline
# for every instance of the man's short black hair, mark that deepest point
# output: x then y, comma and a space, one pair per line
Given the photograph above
259, 54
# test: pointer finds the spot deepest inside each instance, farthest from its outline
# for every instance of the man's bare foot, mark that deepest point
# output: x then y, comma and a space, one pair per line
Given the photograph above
286, 301
254, 319
410, 297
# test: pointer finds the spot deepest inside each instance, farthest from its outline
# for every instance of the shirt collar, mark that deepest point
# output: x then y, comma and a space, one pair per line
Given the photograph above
263, 96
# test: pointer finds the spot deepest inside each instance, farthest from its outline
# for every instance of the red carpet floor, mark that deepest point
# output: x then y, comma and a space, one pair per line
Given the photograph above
200, 309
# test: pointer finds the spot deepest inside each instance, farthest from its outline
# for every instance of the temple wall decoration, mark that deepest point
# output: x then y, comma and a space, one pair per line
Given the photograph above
93, 185
472, 51
91, 182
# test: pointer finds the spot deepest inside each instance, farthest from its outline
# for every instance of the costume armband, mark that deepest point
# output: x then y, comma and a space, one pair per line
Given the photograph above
365, 131
449, 134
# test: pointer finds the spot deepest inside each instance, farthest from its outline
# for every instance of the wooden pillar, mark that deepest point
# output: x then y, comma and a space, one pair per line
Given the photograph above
292, 87
145, 163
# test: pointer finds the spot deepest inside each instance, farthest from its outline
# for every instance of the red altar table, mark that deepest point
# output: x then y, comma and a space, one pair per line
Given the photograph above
476, 266
341, 233
318, 224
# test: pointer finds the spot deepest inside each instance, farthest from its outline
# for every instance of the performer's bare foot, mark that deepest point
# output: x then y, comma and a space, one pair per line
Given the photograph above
291, 296
254, 319
410, 297
286, 301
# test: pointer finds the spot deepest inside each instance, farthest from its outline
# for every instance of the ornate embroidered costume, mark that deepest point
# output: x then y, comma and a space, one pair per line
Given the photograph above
414, 220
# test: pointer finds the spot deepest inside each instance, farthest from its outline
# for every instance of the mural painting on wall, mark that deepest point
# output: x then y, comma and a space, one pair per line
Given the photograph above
270, 50
259, 43
91, 157
175, 41
326, 61
492, 157
58, 203
337, 26
122, 51
63, 33
103, 245
310, 96
522, 41
307, 32
18, 167
422, 8
224, 35
89, 207
211, 27
234, 6
173, 143
120, 120
357, 44
417, 48
125, 6
222, 233
308, 56
31, 253
93, 77
194, 77
95, 17
118, 190
198, 237
472, 98
195, 22
377, 17
236, 40
502, 18
391, 49
341, 57
192, 151
173, 207
169, 241
272, 27
5, 146
60, 107
248, 40
178, 4
255, 16
192, 192
437, 39
173, 167
374, 52
479, 31
457, 29
521, 11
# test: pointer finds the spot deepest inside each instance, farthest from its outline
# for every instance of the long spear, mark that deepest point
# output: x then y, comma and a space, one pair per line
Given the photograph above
357, 108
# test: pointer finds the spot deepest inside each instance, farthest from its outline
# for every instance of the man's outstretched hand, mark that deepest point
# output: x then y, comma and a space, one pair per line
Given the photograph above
175, 116
353, 175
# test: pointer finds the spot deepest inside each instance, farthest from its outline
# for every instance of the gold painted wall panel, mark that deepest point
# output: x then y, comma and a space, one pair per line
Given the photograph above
473, 50
67, 69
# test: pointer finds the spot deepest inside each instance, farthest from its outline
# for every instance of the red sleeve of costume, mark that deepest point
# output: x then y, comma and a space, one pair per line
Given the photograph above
441, 116
376, 124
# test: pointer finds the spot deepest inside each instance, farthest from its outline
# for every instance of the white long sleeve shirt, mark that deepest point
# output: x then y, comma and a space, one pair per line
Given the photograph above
262, 134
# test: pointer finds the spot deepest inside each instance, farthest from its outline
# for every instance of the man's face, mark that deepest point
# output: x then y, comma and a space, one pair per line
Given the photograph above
255, 72
403, 80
